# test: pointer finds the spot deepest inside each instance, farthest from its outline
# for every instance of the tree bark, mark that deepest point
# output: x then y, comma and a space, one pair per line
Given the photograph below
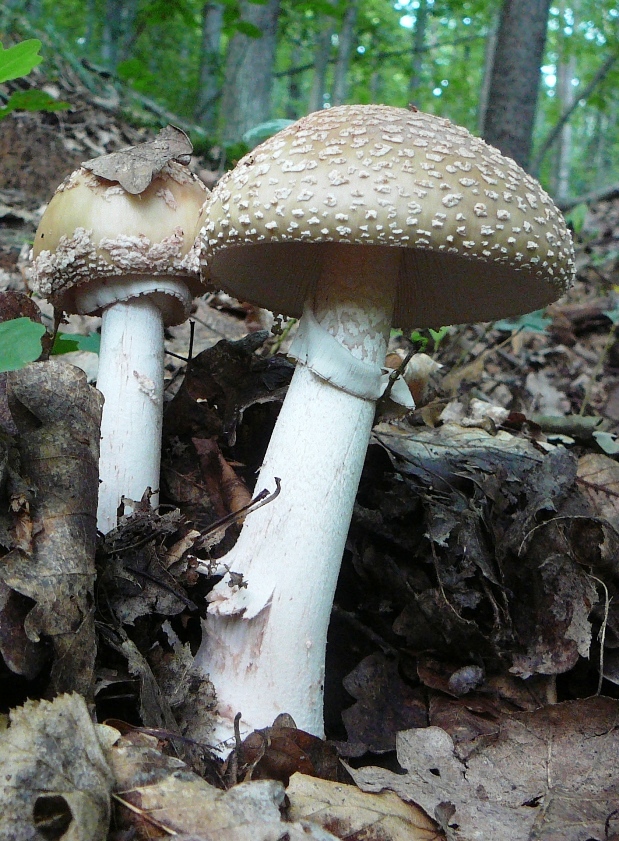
209, 81
118, 29
322, 53
489, 53
417, 55
246, 100
515, 80
346, 37
566, 69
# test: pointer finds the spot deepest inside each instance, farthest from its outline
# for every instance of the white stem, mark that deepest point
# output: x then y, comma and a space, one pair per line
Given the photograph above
131, 380
264, 641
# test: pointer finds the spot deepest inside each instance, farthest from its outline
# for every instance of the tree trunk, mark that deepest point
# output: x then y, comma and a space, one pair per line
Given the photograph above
346, 38
322, 53
246, 100
515, 79
489, 53
566, 69
118, 30
419, 38
209, 81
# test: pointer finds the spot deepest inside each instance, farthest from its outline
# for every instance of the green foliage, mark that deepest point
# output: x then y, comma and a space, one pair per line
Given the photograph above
576, 217
32, 100
20, 343
438, 336
136, 73
19, 60
68, 342
419, 338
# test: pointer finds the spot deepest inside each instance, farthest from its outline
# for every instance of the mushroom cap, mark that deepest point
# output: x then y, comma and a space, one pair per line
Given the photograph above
480, 238
94, 230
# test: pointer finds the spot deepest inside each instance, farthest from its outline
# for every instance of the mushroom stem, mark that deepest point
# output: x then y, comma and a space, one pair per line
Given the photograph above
131, 380
264, 639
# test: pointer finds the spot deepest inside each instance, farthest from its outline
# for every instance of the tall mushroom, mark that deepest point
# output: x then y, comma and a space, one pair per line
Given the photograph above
357, 218
132, 258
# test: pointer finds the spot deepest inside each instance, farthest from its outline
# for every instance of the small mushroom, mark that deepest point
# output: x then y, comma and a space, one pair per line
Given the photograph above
134, 260
357, 218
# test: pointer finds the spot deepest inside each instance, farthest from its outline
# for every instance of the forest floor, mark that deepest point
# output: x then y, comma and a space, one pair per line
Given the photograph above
473, 662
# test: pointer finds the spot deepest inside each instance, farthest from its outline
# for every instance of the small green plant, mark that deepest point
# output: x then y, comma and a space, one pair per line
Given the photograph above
15, 62
20, 343
437, 336
68, 342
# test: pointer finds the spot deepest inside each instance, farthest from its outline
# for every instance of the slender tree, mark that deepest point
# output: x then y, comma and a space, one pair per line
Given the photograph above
417, 53
209, 76
322, 53
246, 100
344, 52
515, 80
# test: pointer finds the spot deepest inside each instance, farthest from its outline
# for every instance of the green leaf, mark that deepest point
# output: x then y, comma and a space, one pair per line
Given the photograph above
260, 132
32, 100
577, 216
68, 342
419, 339
534, 322
20, 343
19, 60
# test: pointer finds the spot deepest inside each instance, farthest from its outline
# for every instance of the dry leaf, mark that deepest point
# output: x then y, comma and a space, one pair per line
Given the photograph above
135, 167
349, 813
551, 774
166, 798
55, 780
58, 416
598, 476
385, 705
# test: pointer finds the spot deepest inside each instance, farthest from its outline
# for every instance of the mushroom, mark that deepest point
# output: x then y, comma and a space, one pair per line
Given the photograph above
357, 218
133, 259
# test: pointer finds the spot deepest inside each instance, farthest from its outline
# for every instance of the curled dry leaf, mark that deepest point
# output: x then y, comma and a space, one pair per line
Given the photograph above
135, 167
549, 774
55, 780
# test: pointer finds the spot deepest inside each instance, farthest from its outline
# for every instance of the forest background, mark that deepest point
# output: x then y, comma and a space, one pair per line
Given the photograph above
538, 79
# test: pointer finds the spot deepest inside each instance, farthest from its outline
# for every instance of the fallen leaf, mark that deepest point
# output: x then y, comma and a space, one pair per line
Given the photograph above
350, 814
598, 476
158, 796
550, 774
58, 417
135, 167
385, 705
55, 781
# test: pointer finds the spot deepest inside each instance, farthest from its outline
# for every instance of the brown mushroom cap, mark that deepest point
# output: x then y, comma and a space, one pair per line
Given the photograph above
93, 230
480, 238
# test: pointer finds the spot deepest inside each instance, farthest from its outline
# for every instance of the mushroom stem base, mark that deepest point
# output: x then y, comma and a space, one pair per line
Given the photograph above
264, 641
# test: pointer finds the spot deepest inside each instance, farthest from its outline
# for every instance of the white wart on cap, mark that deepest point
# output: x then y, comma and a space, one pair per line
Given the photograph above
480, 237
